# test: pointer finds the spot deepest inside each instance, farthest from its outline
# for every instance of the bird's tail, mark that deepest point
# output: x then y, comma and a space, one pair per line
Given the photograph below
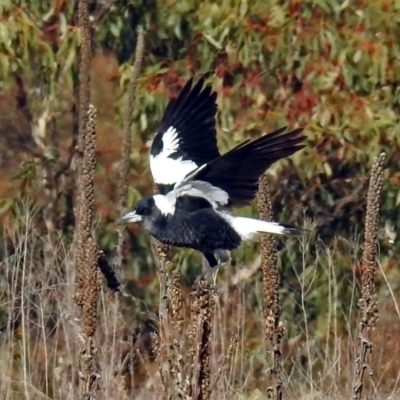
253, 229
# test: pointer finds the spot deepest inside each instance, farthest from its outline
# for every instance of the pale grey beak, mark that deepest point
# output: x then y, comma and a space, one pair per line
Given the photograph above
129, 217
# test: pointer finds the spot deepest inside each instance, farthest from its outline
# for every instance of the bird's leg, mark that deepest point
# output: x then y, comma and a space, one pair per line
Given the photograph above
211, 266
214, 265
212, 261
223, 257
223, 260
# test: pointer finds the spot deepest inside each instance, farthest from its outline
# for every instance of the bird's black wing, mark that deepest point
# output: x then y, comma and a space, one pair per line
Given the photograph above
187, 135
236, 173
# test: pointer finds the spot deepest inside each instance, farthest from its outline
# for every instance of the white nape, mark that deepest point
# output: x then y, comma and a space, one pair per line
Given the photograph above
252, 229
164, 204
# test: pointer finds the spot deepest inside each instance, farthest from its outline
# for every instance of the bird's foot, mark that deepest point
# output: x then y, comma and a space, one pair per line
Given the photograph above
223, 257
212, 270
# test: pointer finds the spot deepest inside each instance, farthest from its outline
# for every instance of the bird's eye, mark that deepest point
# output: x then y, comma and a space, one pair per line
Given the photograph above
145, 211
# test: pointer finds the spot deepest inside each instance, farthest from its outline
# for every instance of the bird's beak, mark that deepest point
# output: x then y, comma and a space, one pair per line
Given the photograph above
129, 217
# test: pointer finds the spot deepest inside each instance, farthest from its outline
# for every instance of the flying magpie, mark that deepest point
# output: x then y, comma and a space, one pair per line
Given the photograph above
198, 186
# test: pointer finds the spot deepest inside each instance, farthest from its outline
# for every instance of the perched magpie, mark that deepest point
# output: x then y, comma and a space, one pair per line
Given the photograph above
198, 186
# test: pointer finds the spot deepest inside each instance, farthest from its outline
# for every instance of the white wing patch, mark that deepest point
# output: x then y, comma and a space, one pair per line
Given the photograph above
164, 204
166, 170
171, 141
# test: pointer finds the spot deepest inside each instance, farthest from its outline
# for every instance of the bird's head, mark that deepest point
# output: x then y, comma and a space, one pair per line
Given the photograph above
147, 210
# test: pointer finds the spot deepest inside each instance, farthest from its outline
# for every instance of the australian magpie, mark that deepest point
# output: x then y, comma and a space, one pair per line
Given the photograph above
198, 186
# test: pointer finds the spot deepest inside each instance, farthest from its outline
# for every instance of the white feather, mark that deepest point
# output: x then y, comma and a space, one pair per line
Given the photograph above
166, 170
252, 229
164, 204
216, 196
170, 141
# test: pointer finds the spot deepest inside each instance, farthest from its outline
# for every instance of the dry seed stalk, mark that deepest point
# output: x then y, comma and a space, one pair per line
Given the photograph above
127, 139
86, 201
88, 281
202, 303
368, 302
84, 70
274, 330
176, 300
172, 335
157, 351
174, 338
162, 251
84, 217
165, 334
228, 359
165, 328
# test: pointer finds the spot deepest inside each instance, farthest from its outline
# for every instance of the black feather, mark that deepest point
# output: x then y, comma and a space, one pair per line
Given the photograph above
192, 114
202, 230
237, 171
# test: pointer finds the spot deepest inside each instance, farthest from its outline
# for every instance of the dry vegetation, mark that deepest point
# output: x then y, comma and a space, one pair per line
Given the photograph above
196, 348
74, 325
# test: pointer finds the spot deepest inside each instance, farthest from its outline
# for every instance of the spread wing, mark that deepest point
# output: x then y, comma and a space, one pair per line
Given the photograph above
232, 179
187, 136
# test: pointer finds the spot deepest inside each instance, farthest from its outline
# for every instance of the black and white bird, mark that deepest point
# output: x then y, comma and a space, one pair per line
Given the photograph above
198, 186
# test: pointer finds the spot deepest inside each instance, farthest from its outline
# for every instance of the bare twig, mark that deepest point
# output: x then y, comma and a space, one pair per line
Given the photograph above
127, 140
368, 302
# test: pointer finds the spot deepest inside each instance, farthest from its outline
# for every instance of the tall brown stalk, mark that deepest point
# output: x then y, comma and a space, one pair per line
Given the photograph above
368, 302
88, 282
127, 140
202, 302
84, 71
274, 330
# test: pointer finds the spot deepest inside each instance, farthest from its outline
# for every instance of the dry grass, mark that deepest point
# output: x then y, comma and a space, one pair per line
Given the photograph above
183, 348
40, 346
